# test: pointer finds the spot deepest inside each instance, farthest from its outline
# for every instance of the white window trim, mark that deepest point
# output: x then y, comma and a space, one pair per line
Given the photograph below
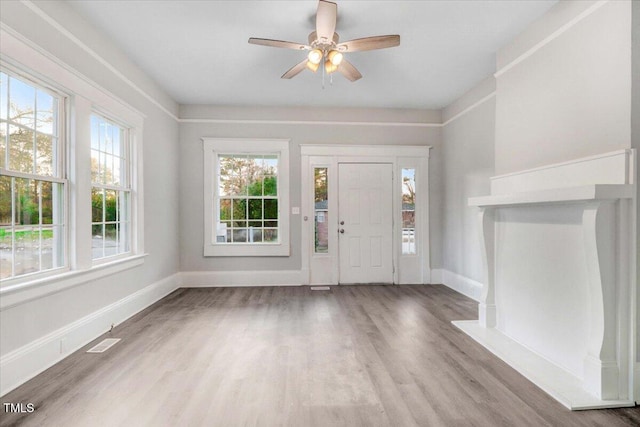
212, 148
85, 97
60, 164
126, 187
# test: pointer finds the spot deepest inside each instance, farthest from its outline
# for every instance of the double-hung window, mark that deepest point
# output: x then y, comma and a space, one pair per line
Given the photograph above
110, 189
246, 197
33, 184
71, 187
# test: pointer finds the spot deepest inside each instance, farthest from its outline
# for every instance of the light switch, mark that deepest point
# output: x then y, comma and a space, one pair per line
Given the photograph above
295, 211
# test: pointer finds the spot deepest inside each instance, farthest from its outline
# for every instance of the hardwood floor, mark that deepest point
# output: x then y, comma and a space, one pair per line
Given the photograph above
351, 356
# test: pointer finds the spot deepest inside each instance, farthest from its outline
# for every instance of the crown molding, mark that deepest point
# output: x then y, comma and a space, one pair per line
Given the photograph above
308, 122
557, 33
470, 108
16, 64
62, 30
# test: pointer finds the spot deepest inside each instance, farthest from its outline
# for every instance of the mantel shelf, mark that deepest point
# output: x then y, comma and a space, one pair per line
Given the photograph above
586, 193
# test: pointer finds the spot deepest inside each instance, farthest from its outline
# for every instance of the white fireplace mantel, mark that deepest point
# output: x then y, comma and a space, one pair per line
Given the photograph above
584, 193
607, 213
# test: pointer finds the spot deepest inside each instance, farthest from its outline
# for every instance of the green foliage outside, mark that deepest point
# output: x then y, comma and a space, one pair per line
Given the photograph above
23, 236
242, 178
107, 199
30, 196
321, 193
320, 184
28, 152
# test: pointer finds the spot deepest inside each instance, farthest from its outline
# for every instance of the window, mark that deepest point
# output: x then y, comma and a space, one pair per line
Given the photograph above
48, 184
248, 213
248, 198
321, 207
32, 178
408, 211
110, 189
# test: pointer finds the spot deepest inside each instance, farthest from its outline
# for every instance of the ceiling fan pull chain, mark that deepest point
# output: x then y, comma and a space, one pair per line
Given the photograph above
323, 68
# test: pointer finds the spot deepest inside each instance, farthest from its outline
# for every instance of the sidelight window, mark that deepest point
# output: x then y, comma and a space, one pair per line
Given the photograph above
321, 210
408, 211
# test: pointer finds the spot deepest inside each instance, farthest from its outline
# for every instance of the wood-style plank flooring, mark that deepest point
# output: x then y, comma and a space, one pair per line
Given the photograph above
271, 356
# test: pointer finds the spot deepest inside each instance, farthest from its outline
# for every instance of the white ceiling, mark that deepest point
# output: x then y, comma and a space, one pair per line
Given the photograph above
198, 51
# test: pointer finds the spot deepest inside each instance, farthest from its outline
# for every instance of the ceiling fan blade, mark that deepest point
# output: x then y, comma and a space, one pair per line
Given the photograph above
295, 70
326, 20
349, 71
278, 43
370, 43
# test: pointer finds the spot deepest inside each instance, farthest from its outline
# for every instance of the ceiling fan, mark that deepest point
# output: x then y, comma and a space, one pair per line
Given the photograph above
324, 48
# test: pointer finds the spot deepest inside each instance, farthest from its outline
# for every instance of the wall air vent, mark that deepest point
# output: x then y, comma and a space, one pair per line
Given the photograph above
104, 345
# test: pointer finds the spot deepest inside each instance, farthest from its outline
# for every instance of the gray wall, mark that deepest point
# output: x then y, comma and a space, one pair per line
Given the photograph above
572, 97
635, 131
468, 146
24, 323
191, 172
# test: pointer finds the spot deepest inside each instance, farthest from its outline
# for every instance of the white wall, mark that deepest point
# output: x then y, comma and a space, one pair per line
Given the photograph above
571, 97
563, 92
292, 123
57, 31
544, 302
468, 145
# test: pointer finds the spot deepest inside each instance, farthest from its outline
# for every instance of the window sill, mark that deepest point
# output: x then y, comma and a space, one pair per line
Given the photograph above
246, 250
19, 293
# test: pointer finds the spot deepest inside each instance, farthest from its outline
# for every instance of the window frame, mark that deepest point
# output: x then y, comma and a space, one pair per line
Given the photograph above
215, 147
124, 186
326, 214
416, 212
83, 97
59, 164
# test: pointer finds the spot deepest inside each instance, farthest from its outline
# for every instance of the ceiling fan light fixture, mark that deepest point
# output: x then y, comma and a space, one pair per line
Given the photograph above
335, 57
313, 66
329, 67
315, 56
324, 47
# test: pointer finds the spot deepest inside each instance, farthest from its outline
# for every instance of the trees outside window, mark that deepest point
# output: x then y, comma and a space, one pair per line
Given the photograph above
247, 198
32, 178
110, 189
321, 208
408, 211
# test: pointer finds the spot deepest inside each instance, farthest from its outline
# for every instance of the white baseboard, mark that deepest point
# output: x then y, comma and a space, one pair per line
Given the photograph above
26, 362
462, 284
637, 383
204, 279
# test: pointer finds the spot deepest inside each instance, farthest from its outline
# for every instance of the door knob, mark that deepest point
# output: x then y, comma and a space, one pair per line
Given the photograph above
341, 231
341, 222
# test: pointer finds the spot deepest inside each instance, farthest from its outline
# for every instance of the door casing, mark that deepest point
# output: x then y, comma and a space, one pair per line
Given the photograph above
324, 268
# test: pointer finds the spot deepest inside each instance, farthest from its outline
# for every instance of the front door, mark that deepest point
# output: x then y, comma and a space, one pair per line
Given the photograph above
365, 216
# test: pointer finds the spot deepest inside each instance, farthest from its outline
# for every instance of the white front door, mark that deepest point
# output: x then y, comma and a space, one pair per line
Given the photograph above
365, 215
